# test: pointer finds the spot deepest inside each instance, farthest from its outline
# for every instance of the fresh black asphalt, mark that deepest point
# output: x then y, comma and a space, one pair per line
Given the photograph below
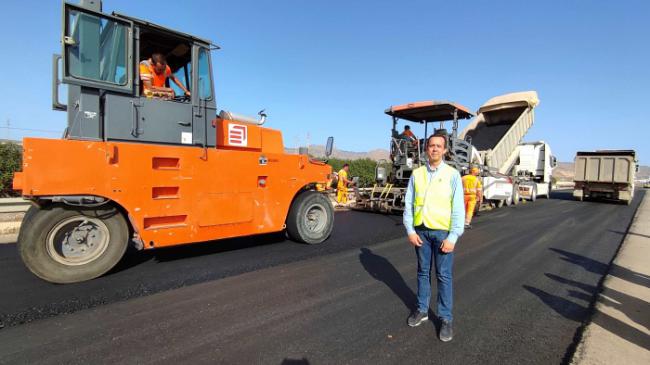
525, 278
24, 297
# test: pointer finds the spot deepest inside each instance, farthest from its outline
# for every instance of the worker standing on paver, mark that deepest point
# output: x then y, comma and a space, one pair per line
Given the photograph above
473, 191
408, 134
433, 218
342, 185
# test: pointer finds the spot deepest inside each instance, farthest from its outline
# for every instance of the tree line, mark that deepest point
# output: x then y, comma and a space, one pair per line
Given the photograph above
364, 168
11, 159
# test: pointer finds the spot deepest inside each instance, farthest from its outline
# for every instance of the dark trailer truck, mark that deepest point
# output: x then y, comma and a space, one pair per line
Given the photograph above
605, 174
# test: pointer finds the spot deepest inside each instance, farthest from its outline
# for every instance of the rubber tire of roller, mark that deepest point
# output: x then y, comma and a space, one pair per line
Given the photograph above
297, 218
37, 224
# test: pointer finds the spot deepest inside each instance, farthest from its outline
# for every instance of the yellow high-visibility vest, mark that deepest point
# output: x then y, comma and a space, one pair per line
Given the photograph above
433, 199
471, 184
342, 175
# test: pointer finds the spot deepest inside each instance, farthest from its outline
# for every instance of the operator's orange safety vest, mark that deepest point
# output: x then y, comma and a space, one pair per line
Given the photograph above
147, 73
471, 184
408, 133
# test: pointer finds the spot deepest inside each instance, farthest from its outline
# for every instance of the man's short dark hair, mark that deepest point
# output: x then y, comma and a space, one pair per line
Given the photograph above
346, 165
159, 58
439, 133
407, 127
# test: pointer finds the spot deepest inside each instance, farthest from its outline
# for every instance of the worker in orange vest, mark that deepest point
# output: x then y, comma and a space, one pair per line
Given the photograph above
408, 134
473, 190
154, 73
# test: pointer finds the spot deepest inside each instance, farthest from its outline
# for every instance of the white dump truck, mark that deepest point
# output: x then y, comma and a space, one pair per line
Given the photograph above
510, 169
605, 174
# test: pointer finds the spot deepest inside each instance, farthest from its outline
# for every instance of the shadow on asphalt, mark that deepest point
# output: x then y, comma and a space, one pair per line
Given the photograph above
588, 294
396, 217
586, 263
302, 361
568, 195
562, 195
599, 268
382, 270
630, 233
134, 258
347, 222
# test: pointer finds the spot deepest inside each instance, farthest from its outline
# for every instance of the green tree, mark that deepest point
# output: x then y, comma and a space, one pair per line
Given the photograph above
10, 162
364, 168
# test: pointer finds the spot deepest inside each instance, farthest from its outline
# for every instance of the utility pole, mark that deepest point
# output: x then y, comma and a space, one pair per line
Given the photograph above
296, 141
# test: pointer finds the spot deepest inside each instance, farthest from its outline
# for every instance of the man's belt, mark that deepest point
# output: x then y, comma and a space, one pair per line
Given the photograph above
422, 227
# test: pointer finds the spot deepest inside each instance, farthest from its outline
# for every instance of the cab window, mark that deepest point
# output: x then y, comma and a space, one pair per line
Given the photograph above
177, 53
184, 75
96, 48
205, 78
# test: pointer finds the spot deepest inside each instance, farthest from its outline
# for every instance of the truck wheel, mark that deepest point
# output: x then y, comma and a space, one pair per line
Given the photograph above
533, 194
311, 218
508, 201
63, 244
515, 195
578, 197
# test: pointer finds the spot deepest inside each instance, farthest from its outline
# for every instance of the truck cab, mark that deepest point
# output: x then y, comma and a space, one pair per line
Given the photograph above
534, 169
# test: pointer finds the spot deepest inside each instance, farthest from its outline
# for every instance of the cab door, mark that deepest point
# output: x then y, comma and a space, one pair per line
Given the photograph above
97, 59
97, 50
149, 119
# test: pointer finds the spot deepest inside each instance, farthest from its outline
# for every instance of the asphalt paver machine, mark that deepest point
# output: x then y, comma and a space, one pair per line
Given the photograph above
406, 155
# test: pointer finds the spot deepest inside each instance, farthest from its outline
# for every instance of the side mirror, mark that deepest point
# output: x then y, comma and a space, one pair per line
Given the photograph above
262, 114
56, 81
329, 146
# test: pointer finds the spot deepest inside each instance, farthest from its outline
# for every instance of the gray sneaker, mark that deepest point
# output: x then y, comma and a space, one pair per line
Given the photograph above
416, 318
446, 331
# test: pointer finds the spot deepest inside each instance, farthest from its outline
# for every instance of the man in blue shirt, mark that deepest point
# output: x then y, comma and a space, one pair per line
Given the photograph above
434, 219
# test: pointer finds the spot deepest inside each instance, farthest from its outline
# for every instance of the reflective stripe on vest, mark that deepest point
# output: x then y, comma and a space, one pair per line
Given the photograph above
148, 73
433, 199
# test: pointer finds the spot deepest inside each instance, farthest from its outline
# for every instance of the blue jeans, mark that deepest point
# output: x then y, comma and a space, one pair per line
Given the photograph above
428, 252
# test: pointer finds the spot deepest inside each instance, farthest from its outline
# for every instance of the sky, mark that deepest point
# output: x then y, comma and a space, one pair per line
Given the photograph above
331, 68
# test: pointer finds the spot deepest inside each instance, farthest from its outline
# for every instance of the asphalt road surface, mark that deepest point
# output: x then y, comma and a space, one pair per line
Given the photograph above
525, 279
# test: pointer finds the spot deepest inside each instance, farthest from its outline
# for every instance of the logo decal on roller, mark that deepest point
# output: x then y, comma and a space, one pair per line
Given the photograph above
237, 135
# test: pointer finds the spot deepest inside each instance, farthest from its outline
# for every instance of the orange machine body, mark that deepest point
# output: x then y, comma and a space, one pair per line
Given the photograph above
178, 194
